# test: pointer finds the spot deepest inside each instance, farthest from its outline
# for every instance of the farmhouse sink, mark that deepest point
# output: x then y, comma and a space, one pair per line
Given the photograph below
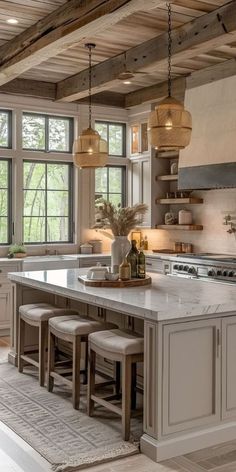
48, 257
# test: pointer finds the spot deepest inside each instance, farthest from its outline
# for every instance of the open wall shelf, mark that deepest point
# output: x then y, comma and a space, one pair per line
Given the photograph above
182, 227
179, 201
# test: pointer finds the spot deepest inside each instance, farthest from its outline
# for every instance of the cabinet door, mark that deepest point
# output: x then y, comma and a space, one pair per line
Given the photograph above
229, 367
135, 183
5, 306
191, 375
146, 190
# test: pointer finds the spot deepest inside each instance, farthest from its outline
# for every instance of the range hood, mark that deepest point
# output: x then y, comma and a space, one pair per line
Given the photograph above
209, 162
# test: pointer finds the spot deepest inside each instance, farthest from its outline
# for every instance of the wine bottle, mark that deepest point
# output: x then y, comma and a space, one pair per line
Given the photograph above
132, 258
141, 268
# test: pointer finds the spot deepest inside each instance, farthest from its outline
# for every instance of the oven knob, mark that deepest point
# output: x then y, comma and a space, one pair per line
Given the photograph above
219, 272
186, 268
211, 273
225, 273
191, 270
176, 267
231, 273
180, 267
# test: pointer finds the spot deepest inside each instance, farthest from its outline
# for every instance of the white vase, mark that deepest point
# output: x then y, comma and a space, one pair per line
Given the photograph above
119, 248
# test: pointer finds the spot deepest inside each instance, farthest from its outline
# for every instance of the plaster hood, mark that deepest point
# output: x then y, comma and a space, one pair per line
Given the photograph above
210, 159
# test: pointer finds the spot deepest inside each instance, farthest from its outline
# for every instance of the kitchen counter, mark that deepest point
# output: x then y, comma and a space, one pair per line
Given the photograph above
167, 298
189, 356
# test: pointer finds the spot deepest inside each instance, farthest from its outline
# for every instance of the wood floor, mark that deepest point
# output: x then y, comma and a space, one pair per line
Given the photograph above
17, 456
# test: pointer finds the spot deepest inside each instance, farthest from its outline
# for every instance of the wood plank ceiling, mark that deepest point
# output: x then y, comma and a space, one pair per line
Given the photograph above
131, 31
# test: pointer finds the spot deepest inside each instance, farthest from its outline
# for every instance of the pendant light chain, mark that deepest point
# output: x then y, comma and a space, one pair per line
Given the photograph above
169, 48
90, 86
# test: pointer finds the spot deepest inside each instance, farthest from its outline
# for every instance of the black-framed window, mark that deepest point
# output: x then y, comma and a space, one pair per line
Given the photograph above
47, 133
5, 201
5, 129
48, 200
110, 184
115, 135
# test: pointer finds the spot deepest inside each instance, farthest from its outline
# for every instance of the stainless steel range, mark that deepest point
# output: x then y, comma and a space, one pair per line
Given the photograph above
215, 267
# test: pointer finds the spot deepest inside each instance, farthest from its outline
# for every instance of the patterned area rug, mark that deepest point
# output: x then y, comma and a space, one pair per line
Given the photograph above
66, 438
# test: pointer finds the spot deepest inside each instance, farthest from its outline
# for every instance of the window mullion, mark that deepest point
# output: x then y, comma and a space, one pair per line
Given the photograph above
46, 203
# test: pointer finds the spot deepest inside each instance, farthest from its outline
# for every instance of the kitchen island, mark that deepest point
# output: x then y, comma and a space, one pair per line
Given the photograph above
190, 351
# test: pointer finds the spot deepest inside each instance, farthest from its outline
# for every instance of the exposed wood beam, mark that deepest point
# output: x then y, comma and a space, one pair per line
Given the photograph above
211, 74
30, 88
72, 22
156, 92
109, 99
196, 37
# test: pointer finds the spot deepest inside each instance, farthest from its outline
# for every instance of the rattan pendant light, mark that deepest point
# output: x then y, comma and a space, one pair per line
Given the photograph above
169, 125
89, 149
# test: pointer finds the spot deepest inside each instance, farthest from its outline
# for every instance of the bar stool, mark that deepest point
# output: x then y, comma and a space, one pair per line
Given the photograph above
37, 315
75, 330
121, 346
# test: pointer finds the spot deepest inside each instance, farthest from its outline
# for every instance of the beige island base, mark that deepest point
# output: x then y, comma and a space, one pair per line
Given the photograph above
190, 350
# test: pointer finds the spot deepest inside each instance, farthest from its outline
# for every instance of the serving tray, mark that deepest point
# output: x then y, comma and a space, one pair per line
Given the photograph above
114, 283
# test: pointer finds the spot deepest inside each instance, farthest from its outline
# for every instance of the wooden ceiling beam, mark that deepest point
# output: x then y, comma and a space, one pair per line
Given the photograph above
30, 88
212, 73
156, 92
196, 37
108, 99
71, 23
195, 79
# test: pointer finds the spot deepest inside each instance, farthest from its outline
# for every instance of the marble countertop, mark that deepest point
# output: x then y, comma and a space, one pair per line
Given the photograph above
167, 298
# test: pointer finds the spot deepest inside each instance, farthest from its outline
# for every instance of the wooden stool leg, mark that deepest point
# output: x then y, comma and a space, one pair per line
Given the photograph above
51, 360
21, 343
85, 380
133, 387
126, 397
91, 381
76, 372
42, 351
117, 386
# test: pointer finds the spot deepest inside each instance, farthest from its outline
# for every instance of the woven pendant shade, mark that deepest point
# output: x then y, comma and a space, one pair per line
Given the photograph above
90, 150
170, 125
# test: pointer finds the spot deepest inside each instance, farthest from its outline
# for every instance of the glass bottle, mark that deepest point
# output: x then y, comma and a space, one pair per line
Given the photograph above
125, 270
132, 258
141, 268
145, 246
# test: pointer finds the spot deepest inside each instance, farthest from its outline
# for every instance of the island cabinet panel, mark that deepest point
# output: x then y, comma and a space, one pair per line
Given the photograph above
5, 306
191, 375
229, 367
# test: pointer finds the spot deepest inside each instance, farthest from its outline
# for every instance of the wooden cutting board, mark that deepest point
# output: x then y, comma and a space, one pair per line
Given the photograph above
114, 283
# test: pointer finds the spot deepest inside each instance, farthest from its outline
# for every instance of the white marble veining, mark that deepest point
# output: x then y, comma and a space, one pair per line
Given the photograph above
167, 298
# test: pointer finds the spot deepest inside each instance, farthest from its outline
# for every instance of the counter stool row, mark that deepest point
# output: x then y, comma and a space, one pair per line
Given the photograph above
99, 338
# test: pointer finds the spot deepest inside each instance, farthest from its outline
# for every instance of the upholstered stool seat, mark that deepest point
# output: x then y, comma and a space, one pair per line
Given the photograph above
121, 346
75, 330
75, 325
37, 314
118, 342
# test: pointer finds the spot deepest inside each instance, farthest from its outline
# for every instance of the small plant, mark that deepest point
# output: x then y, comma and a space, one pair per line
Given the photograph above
16, 249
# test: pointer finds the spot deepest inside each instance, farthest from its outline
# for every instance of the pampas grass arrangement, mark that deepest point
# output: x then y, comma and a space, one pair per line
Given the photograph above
119, 220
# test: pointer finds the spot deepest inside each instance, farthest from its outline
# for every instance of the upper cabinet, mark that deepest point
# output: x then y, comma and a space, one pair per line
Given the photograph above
138, 138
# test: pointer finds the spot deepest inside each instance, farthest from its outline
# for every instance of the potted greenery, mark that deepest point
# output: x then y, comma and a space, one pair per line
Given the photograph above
17, 250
